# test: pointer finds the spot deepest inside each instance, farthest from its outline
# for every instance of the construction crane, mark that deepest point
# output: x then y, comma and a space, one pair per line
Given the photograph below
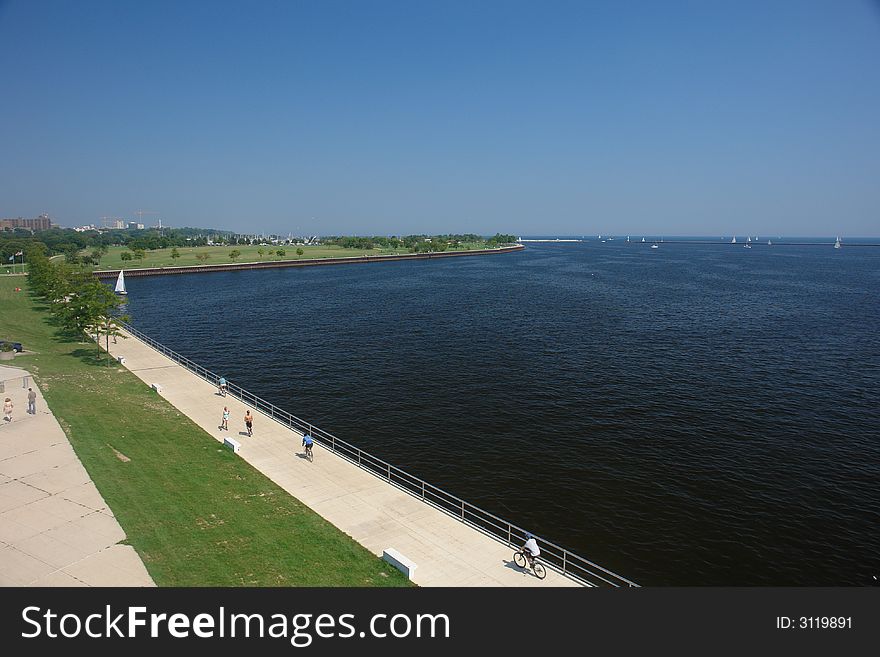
141, 213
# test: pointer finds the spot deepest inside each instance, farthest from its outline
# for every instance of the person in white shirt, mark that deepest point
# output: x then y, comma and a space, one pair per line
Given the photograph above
530, 549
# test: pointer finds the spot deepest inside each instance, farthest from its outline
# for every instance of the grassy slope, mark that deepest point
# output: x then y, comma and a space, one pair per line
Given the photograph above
197, 514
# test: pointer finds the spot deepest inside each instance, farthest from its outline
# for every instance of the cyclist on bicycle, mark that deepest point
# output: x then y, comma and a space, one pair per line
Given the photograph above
530, 549
222, 386
307, 443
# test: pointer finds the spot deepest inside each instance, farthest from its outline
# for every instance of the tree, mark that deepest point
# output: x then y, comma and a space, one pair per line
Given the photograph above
299, 252
201, 257
110, 326
125, 255
281, 253
84, 303
261, 252
175, 254
234, 254
71, 255
98, 252
139, 254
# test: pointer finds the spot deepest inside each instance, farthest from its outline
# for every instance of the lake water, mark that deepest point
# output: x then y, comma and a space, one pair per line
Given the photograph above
688, 415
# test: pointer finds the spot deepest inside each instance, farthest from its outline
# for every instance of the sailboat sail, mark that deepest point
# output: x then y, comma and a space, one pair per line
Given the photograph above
120, 283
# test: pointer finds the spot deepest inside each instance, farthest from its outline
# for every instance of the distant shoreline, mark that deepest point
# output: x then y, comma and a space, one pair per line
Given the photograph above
275, 264
698, 241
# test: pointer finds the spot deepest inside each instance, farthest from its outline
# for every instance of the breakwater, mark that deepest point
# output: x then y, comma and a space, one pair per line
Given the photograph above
308, 262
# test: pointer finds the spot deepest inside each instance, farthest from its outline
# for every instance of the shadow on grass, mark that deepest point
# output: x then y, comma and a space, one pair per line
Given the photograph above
92, 356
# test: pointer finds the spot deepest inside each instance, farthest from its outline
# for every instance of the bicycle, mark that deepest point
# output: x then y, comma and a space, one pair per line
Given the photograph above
309, 454
520, 559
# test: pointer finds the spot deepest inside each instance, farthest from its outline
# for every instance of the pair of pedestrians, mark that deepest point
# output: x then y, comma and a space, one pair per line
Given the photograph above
248, 421
8, 406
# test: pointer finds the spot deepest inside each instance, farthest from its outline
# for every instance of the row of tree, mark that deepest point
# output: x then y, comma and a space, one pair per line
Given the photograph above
71, 243
418, 243
80, 304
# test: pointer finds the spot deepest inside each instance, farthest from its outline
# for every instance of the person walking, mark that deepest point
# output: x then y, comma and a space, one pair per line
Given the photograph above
32, 401
7, 410
224, 424
249, 422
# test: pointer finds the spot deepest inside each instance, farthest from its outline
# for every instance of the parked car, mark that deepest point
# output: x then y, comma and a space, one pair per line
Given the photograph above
16, 346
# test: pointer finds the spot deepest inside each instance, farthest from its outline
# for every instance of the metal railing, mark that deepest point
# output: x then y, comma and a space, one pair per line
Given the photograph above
554, 556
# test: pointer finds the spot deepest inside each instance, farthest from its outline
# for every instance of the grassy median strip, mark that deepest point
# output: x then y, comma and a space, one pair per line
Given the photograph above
197, 514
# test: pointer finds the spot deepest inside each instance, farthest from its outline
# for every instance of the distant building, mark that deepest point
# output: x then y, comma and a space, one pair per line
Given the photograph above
39, 223
133, 225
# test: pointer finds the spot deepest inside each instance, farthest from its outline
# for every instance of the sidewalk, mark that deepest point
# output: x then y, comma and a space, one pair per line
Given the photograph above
55, 529
373, 512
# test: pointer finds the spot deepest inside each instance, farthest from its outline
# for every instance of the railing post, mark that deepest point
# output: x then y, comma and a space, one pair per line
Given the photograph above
462, 509
389, 473
333, 443
564, 559
423, 490
508, 535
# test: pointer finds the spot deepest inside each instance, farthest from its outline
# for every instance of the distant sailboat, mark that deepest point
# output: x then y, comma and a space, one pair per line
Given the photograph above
733, 241
643, 239
769, 243
837, 243
120, 283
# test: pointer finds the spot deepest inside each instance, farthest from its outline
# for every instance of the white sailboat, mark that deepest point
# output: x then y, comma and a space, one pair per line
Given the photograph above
643, 239
120, 283
733, 241
769, 243
837, 243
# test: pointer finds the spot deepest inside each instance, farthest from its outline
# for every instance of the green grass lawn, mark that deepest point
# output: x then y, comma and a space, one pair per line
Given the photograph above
197, 514
218, 255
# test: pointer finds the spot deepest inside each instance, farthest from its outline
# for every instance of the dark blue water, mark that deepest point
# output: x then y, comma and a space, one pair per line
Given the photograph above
690, 415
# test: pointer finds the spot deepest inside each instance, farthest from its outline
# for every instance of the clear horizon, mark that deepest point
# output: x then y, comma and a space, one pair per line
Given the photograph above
523, 117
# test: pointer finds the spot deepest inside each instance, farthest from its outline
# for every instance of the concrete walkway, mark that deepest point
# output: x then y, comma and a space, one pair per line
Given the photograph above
55, 529
373, 512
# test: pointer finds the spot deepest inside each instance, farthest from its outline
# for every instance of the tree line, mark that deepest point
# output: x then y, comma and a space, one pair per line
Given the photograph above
418, 243
80, 304
71, 243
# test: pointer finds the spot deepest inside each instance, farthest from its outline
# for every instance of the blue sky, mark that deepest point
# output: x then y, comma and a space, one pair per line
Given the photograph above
544, 117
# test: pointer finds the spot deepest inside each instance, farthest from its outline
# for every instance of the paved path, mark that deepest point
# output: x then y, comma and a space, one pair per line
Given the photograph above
373, 512
55, 528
